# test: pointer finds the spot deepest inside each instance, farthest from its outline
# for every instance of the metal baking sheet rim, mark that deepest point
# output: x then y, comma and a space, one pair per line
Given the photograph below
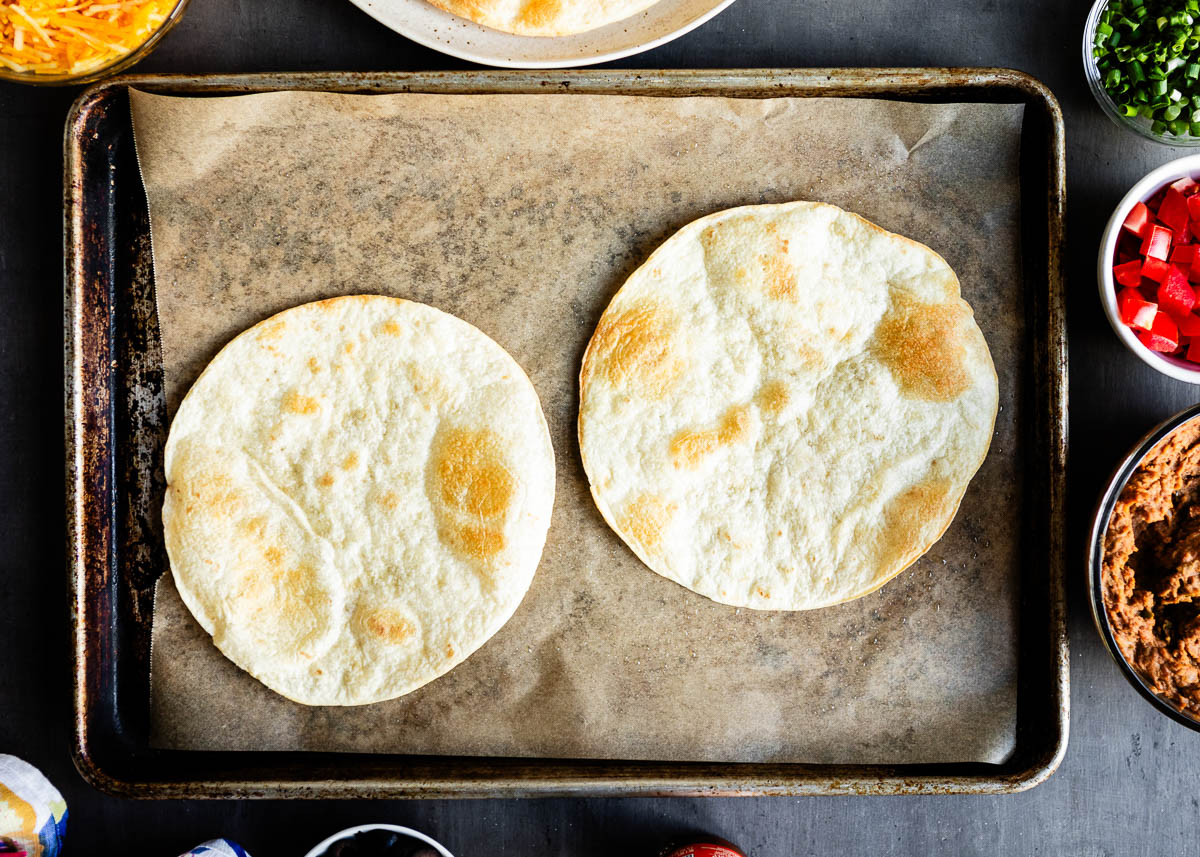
91, 370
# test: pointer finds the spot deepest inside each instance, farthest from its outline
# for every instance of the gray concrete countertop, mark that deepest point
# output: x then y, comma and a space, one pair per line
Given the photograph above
1128, 783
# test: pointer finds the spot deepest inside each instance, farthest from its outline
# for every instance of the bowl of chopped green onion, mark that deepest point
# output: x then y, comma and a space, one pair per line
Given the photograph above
1142, 61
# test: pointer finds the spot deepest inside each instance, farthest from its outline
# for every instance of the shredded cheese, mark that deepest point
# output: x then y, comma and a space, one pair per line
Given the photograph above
75, 36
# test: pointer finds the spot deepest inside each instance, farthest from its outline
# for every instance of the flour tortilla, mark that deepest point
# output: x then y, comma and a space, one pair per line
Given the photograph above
358, 495
544, 17
782, 408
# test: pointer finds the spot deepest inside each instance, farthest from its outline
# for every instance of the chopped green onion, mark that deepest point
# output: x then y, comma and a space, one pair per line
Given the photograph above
1151, 71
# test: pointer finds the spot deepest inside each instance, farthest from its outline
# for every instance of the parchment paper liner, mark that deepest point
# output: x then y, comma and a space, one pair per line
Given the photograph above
523, 215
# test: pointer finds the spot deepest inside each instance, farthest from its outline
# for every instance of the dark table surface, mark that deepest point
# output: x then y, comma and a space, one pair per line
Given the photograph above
1128, 784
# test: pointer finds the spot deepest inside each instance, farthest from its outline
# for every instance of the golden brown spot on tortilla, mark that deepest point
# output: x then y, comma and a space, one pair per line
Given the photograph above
735, 425
326, 480
256, 526
540, 13
778, 276
762, 593
317, 671
475, 540
350, 461
348, 347
773, 397
276, 596
646, 518
449, 650
710, 236
729, 247
214, 493
298, 404
472, 475
313, 365
474, 491
390, 500
907, 514
801, 341
638, 350
689, 447
271, 330
922, 345
330, 304
391, 328
389, 625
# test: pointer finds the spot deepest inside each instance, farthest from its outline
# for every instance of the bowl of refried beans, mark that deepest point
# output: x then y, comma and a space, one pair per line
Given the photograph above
1144, 567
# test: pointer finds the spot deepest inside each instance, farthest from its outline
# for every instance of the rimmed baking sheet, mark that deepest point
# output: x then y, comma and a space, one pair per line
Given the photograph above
1028, 313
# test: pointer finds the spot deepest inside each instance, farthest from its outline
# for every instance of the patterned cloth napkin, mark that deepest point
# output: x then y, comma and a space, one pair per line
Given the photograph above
217, 848
33, 814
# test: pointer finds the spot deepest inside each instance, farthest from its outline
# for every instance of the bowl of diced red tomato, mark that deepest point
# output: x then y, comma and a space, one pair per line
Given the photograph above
1149, 269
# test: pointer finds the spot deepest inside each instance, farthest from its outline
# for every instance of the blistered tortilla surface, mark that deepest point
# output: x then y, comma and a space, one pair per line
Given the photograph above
358, 495
782, 408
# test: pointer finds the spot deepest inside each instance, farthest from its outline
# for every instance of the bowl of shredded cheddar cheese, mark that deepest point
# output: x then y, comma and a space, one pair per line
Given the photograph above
76, 41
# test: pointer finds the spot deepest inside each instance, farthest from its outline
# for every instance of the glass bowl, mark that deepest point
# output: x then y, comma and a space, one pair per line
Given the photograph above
1139, 125
119, 64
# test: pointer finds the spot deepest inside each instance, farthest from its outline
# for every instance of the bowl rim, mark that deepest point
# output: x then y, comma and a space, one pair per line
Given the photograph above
1095, 561
390, 13
1143, 189
320, 847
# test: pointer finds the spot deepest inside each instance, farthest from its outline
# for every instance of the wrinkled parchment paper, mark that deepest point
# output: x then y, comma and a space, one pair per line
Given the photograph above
523, 215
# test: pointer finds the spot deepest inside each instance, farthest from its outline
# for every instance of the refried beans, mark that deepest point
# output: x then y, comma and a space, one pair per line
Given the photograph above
1151, 571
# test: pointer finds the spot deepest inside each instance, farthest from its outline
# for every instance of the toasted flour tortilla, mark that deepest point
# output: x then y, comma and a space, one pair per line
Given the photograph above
543, 17
358, 495
782, 408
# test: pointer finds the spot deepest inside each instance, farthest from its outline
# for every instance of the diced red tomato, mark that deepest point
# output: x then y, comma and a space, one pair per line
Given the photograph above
1138, 219
1157, 243
1156, 263
1175, 296
1155, 269
1186, 185
1189, 325
1174, 210
1163, 335
1184, 255
1135, 310
1129, 273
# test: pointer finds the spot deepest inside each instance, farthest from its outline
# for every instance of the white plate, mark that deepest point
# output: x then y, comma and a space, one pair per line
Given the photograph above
433, 28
